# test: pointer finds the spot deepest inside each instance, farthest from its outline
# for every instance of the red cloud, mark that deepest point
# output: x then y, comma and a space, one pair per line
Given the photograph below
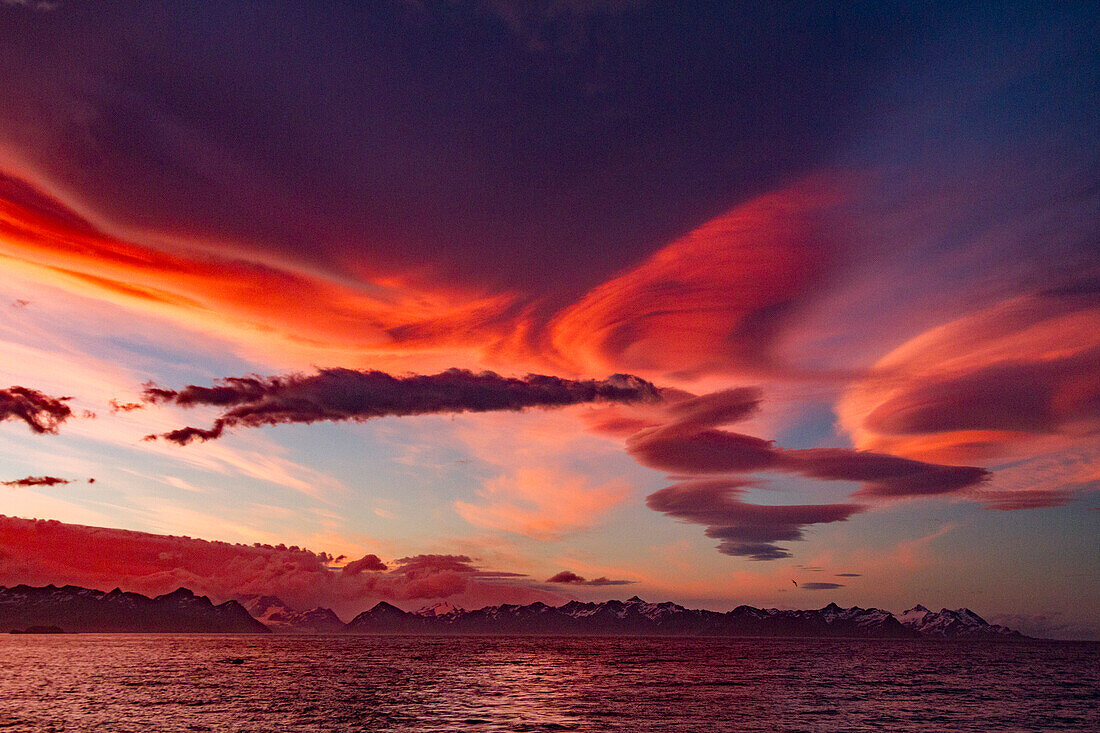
38, 552
39, 481
271, 304
719, 299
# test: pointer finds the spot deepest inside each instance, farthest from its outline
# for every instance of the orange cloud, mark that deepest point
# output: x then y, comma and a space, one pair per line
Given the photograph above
301, 316
542, 503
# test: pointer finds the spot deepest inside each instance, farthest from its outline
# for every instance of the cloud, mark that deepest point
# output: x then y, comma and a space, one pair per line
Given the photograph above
367, 563
1027, 499
568, 577
38, 552
745, 529
41, 412
1004, 381
346, 394
717, 300
820, 586
39, 481
258, 302
117, 406
849, 575
883, 476
1015, 385
1017, 395
543, 503
712, 451
703, 451
689, 444
714, 409
43, 6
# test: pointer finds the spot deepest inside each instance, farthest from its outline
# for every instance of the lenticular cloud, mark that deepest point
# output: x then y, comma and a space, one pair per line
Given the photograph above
347, 394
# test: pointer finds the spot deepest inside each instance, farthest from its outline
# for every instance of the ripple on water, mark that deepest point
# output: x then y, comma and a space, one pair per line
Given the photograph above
125, 683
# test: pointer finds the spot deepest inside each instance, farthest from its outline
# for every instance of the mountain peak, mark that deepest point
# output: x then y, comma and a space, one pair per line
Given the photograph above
439, 609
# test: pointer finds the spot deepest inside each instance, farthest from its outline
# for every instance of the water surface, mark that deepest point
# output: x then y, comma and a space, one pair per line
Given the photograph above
140, 682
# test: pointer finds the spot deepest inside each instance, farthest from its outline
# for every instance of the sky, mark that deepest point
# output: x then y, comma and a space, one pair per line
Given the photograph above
486, 302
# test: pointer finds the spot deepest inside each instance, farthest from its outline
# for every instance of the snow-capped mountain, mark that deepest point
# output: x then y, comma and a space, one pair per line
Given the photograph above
961, 623
71, 608
635, 616
79, 609
442, 608
281, 618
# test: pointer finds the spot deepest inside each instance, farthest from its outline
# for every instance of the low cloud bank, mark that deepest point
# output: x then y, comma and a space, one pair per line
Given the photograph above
39, 552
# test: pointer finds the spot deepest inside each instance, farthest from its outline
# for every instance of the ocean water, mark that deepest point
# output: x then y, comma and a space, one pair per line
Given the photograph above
332, 683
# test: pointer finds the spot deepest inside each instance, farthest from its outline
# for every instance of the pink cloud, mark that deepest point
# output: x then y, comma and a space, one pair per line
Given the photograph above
543, 503
1015, 384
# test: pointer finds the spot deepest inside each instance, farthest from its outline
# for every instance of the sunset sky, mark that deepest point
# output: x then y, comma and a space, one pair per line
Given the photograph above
799, 293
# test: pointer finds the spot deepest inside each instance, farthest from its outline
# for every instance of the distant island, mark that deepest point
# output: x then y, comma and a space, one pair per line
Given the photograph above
52, 609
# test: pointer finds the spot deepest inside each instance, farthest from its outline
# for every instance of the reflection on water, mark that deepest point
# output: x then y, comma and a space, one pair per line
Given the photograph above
324, 683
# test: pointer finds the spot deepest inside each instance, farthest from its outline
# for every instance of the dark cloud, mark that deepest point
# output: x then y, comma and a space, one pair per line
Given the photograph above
882, 475
715, 409
677, 448
849, 575
346, 394
568, 577
704, 451
38, 481
1030, 499
745, 529
458, 131
41, 412
436, 576
367, 563
820, 586
691, 446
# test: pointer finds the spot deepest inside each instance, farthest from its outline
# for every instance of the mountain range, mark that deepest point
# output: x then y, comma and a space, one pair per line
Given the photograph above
71, 608
635, 617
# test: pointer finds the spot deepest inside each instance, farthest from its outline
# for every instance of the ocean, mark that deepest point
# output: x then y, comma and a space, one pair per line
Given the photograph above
145, 682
